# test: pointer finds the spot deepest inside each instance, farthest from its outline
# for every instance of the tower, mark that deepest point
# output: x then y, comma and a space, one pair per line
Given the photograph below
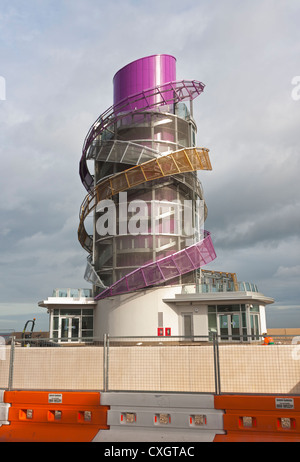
142, 220
144, 147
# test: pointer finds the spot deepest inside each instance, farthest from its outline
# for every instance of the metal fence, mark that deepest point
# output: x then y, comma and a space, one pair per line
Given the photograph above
202, 364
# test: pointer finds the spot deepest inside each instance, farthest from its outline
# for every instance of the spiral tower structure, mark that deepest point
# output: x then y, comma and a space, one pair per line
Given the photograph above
143, 149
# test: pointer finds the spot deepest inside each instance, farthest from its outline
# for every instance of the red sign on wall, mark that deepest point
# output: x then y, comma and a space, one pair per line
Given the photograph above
160, 331
168, 331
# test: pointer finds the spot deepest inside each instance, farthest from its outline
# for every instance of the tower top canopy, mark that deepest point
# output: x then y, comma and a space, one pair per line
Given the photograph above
142, 74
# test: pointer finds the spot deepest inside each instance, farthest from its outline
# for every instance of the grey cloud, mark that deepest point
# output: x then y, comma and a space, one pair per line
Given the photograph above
59, 62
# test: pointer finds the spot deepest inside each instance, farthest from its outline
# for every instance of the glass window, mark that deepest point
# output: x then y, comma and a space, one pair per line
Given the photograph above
193, 137
227, 308
244, 320
88, 312
87, 333
87, 322
211, 308
212, 322
55, 322
86, 293
62, 293
254, 308
70, 312
74, 293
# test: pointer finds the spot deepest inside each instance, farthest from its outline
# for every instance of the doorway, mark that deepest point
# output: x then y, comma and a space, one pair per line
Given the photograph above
229, 326
69, 328
188, 330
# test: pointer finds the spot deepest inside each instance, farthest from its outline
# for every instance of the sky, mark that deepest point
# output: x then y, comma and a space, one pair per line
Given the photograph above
58, 59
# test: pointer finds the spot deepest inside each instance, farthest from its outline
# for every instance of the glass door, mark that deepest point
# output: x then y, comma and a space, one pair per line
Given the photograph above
69, 328
224, 323
229, 326
235, 326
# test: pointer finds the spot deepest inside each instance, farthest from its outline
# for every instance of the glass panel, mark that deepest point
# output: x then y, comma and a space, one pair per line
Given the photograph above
88, 312
87, 322
212, 322
87, 333
257, 326
70, 312
244, 320
226, 308
254, 324
86, 293
55, 322
211, 308
62, 293
75, 328
74, 293
224, 327
64, 328
235, 326
134, 259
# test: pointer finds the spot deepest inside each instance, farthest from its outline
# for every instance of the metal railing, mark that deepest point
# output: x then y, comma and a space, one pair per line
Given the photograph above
229, 286
199, 364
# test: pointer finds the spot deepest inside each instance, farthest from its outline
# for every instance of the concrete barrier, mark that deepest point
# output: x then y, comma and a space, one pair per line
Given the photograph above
160, 417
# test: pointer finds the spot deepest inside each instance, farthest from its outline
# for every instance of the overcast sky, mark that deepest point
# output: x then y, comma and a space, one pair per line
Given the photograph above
58, 59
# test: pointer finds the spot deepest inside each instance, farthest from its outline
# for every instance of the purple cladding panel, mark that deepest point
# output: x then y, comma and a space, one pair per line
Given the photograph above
143, 74
164, 269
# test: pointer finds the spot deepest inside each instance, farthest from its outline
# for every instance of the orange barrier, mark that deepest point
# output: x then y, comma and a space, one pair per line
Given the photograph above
244, 437
259, 418
257, 402
53, 416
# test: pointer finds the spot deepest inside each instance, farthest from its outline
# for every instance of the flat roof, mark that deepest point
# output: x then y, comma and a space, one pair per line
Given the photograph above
225, 297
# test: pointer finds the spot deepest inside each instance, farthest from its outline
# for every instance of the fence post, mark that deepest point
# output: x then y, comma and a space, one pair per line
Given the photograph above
107, 362
104, 361
216, 363
11, 363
